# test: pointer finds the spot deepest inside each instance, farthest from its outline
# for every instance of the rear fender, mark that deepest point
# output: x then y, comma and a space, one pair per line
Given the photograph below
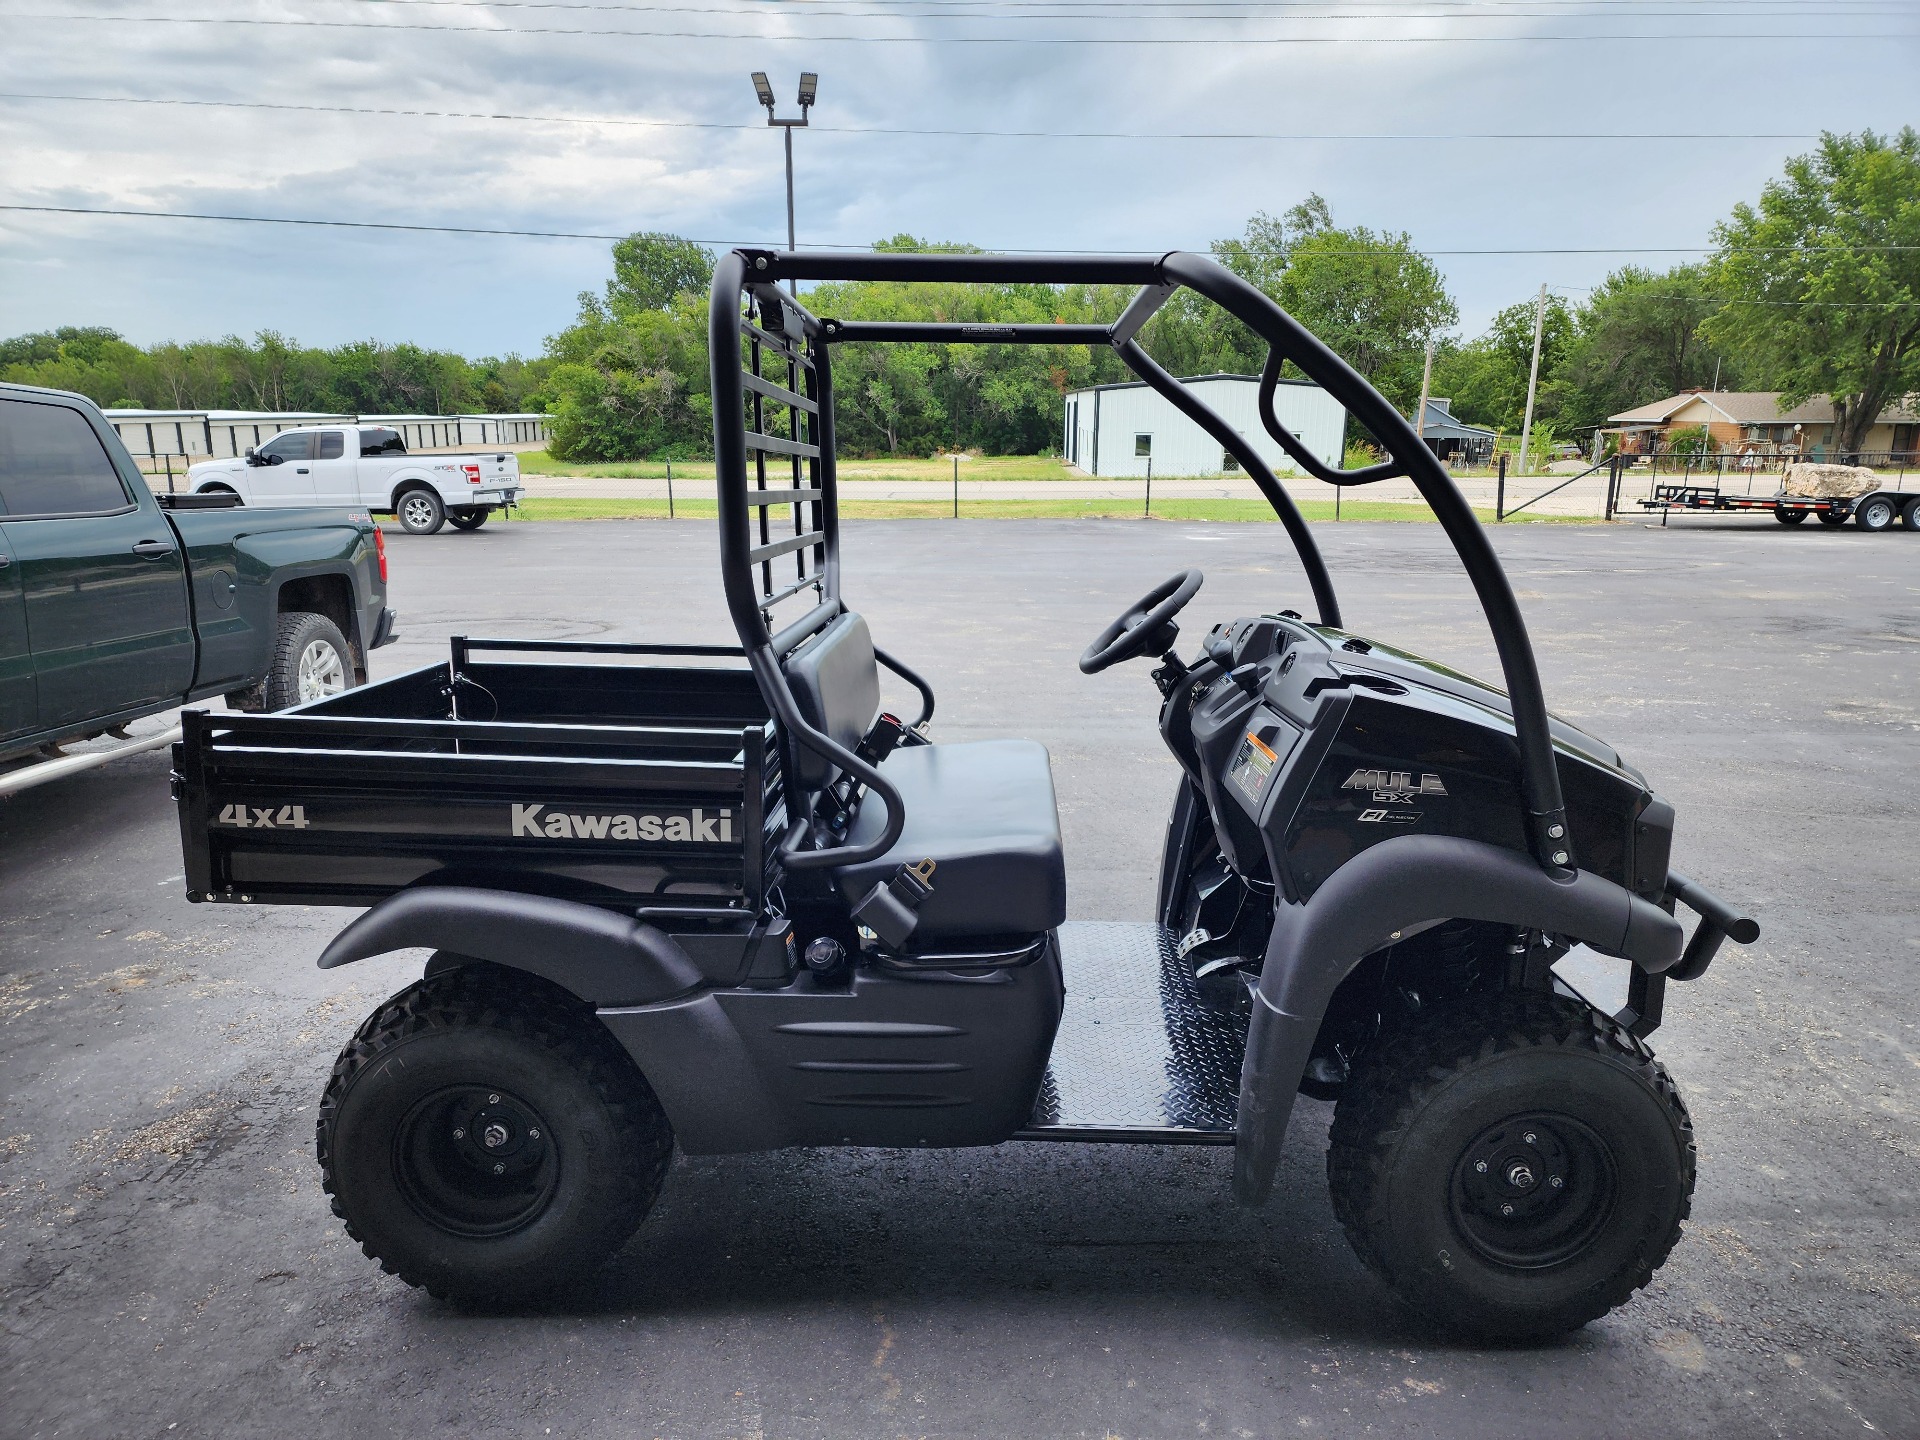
1390, 887
413, 478
602, 957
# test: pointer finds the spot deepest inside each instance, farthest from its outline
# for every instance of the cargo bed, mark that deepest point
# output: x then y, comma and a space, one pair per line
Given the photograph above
618, 775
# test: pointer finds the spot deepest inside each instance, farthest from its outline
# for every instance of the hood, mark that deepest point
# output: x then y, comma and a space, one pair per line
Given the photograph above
1383, 659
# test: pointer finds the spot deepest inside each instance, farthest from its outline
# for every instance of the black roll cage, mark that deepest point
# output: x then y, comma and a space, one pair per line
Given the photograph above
755, 323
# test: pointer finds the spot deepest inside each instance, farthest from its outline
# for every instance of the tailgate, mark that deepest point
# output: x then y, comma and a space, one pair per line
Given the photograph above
496, 471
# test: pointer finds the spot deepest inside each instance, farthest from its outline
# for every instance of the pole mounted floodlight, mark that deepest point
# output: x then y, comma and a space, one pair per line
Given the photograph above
809, 91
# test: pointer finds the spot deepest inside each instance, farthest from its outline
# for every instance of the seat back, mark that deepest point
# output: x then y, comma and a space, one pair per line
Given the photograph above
836, 683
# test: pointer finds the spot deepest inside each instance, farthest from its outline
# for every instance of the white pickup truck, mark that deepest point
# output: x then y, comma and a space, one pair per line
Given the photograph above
366, 466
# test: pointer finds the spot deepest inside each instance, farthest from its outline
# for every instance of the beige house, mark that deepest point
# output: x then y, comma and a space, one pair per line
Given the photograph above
1751, 422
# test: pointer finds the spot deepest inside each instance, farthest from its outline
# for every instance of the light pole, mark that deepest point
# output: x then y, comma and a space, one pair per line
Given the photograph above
1533, 375
809, 88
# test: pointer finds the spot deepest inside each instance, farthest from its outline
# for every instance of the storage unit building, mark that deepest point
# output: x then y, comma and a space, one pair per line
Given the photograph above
455, 432
1117, 429
219, 434
207, 434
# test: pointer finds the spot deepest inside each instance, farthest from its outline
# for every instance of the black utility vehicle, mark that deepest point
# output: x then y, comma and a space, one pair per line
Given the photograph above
713, 897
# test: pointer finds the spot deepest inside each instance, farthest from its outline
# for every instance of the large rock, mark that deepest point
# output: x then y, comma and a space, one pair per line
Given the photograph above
1830, 482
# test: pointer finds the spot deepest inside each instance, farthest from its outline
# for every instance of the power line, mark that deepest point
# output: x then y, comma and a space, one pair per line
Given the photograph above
628, 121
1184, 14
1057, 40
1010, 250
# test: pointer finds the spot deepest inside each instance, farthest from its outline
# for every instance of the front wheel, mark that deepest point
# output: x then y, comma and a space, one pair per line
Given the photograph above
1833, 518
1787, 515
485, 1139
470, 517
1910, 517
421, 512
1512, 1165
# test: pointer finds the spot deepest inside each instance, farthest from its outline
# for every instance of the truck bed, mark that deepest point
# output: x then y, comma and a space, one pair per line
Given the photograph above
582, 774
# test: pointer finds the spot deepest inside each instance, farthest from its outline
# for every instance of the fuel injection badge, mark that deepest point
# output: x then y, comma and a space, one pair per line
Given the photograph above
1391, 790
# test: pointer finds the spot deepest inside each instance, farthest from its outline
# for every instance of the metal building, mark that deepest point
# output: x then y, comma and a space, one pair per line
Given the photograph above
451, 432
1453, 440
217, 434
1118, 429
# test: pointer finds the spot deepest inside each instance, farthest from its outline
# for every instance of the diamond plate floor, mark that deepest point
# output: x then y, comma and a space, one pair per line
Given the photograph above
1140, 1054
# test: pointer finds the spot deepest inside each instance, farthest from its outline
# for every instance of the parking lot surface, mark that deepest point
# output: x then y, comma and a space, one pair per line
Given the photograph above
168, 1265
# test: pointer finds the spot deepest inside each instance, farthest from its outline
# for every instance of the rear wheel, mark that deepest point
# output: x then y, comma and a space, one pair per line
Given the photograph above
1512, 1165
1787, 515
420, 512
1910, 517
470, 517
310, 661
485, 1139
1874, 513
1833, 517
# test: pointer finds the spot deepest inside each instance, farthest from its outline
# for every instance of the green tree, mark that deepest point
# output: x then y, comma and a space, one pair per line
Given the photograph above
651, 270
1821, 280
1638, 339
1193, 336
1373, 299
623, 387
1261, 254
268, 372
1487, 377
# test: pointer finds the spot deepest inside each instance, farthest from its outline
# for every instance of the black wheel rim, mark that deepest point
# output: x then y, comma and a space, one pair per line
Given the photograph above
476, 1161
1533, 1191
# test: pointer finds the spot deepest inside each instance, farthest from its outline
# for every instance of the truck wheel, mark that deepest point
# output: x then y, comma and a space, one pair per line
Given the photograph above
1512, 1165
310, 662
485, 1139
1789, 516
421, 512
471, 517
1910, 517
1874, 513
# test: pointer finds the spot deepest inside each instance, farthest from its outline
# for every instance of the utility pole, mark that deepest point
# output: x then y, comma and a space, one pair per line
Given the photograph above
1533, 375
1426, 385
809, 91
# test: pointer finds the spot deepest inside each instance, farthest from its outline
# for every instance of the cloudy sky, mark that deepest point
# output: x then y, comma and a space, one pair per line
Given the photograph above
1306, 87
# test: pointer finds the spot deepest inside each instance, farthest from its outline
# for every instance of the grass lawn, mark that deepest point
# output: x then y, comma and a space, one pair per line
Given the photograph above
1222, 510
989, 467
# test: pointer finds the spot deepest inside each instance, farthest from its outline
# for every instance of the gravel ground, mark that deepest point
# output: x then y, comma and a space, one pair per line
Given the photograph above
168, 1265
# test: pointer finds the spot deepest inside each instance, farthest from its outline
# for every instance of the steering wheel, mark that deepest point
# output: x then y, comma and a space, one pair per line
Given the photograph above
1146, 626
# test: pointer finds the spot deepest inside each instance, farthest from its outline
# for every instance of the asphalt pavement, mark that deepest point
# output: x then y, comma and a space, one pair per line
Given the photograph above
168, 1265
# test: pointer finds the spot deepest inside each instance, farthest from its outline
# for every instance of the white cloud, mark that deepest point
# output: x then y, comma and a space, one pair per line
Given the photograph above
181, 279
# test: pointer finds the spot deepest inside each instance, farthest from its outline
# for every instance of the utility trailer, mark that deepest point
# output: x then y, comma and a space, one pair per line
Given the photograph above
1876, 510
713, 898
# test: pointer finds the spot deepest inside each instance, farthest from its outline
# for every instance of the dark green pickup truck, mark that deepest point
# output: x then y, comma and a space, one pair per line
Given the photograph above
115, 605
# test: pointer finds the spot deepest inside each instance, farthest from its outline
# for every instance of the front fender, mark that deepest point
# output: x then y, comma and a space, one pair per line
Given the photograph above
603, 957
1393, 886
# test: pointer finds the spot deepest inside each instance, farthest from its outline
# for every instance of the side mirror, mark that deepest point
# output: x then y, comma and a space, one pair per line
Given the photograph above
249, 456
